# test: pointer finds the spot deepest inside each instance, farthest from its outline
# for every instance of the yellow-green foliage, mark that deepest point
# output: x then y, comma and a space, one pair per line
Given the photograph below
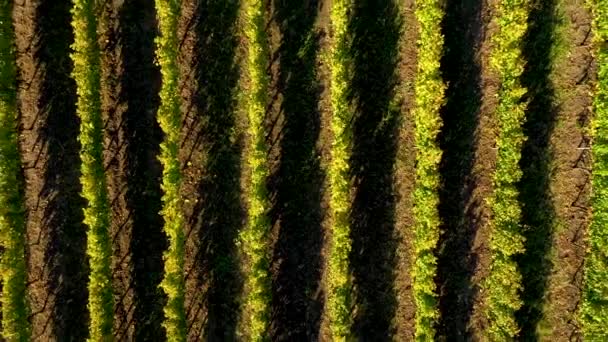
255, 237
338, 273
503, 285
169, 118
15, 326
429, 99
86, 58
594, 307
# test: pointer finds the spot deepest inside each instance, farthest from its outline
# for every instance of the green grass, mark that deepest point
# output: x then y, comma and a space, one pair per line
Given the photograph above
594, 306
255, 238
338, 273
169, 118
429, 90
503, 285
86, 73
15, 326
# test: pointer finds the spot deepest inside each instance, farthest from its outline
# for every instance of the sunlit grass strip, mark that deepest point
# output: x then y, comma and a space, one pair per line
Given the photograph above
169, 118
430, 90
503, 284
86, 73
594, 307
255, 237
338, 273
15, 326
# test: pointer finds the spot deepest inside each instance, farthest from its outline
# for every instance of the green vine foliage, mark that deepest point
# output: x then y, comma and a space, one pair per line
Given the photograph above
430, 90
255, 239
86, 73
594, 307
503, 285
169, 118
15, 326
338, 277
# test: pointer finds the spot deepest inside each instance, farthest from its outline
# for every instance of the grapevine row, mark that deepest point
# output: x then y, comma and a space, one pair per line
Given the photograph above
86, 73
169, 118
594, 307
255, 238
503, 284
430, 90
15, 326
338, 273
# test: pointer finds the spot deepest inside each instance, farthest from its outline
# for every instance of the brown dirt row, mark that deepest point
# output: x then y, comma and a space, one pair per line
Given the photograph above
468, 140
297, 179
196, 282
404, 321
211, 159
114, 160
57, 269
573, 79
130, 84
375, 29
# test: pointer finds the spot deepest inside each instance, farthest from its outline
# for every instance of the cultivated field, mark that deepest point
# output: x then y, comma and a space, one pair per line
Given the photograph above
304, 170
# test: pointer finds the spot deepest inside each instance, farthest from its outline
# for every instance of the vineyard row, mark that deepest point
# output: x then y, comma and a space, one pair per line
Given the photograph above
501, 289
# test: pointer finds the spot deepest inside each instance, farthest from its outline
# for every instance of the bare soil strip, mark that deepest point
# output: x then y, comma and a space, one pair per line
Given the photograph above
211, 152
403, 323
573, 77
538, 213
468, 141
132, 136
57, 269
296, 176
375, 29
